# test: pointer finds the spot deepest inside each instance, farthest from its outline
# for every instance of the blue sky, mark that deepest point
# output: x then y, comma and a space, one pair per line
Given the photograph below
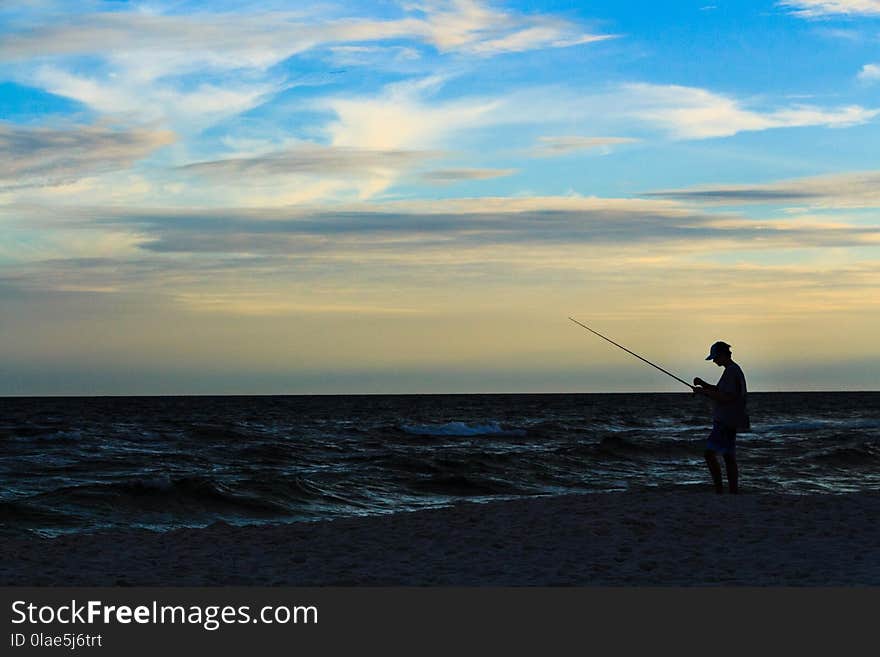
413, 196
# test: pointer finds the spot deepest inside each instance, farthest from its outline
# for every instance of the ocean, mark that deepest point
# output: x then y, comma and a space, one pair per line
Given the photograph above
80, 464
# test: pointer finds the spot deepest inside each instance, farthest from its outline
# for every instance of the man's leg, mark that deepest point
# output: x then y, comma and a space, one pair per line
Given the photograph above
732, 472
715, 469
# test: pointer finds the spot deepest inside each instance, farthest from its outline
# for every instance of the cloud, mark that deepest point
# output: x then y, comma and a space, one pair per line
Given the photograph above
443, 176
214, 41
456, 229
732, 194
404, 116
147, 61
323, 169
693, 113
475, 27
46, 156
819, 8
446, 256
402, 119
869, 73
678, 111
239, 40
411, 115
844, 34
533, 38
846, 190
563, 145
384, 135
126, 96
384, 56
310, 159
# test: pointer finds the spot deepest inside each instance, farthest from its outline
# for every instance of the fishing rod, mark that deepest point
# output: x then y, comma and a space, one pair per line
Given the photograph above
633, 353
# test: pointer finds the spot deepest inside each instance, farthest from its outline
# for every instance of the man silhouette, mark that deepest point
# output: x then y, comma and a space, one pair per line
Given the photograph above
729, 397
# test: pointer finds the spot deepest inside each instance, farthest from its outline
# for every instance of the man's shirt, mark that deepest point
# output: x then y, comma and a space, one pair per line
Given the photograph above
732, 382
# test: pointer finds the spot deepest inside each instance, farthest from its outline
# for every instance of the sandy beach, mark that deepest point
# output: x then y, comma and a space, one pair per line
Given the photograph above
680, 538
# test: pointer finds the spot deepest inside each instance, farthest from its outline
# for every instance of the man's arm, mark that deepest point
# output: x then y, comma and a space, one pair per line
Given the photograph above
712, 391
716, 394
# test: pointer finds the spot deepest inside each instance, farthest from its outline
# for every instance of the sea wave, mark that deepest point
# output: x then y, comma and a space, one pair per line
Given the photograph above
462, 429
858, 455
79, 464
463, 485
159, 494
820, 425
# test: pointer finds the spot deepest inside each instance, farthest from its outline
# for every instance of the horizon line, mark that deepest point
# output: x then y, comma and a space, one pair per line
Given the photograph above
412, 394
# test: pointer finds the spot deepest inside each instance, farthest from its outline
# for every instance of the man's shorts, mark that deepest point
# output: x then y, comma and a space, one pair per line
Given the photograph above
722, 439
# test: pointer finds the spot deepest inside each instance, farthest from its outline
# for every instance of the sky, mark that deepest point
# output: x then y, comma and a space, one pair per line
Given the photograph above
403, 196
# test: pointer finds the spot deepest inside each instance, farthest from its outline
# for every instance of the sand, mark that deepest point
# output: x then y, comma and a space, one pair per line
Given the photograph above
639, 538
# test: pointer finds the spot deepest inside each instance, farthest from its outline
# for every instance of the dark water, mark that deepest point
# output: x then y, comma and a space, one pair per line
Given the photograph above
73, 464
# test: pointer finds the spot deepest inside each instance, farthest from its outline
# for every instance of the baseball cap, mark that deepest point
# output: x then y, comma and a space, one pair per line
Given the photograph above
717, 349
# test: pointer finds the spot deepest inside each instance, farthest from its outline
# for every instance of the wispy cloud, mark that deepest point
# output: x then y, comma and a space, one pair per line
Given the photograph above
820, 8
847, 190
855, 36
146, 57
469, 233
452, 229
869, 73
405, 115
476, 27
446, 176
405, 258
322, 170
54, 156
125, 96
261, 39
694, 113
564, 145
310, 159
384, 56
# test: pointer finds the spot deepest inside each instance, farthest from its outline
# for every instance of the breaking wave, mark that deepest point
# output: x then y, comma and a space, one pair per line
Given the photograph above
462, 429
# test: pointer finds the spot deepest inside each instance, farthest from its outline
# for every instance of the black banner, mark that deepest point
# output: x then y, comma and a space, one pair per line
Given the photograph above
269, 621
